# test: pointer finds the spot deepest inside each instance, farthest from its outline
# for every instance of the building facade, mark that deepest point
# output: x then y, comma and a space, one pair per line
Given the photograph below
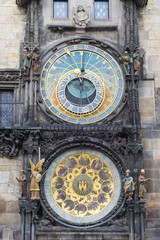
79, 105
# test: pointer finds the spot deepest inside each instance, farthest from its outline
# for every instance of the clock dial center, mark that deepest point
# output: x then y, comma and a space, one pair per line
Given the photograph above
80, 92
80, 95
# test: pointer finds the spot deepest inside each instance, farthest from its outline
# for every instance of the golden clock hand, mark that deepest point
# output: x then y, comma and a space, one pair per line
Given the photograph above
82, 68
69, 53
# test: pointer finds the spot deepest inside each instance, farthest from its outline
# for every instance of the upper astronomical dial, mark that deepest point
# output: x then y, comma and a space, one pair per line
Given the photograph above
82, 84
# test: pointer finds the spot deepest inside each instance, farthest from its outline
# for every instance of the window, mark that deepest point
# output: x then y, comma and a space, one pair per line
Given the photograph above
60, 8
6, 108
101, 9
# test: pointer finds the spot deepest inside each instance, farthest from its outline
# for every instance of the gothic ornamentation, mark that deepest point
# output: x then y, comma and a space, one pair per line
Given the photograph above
11, 142
14, 77
134, 148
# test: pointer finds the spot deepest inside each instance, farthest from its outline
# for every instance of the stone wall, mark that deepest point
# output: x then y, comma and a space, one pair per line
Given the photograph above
12, 30
149, 28
9, 194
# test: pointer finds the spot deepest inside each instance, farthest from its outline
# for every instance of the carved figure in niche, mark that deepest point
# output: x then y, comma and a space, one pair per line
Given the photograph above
142, 184
36, 62
128, 185
35, 178
127, 61
81, 15
137, 60
27, 60
23, 182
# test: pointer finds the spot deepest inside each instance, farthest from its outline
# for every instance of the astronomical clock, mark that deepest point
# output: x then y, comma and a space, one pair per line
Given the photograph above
77, 107
82, 84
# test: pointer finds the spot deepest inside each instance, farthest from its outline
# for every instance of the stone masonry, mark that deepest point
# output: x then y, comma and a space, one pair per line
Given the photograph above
12, 30
149, 29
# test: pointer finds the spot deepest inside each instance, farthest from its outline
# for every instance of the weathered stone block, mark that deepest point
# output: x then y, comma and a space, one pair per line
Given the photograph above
4, 177
157, 186
153, 213
10, 219
4, 188
146, 92
156, 154
13, 197
2, 206
153, 173
7, 234
16, 235
12, 207
152, 223
147, 155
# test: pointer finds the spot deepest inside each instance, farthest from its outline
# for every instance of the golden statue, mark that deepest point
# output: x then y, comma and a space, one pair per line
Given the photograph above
35, 178
142, 184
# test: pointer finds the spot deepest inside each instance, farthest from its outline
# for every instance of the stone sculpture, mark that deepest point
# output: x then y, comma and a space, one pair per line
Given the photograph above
142, 184
81, 16
23, 182
127, 61
137, 60
35, 178
36, 62
27, 60
128, 185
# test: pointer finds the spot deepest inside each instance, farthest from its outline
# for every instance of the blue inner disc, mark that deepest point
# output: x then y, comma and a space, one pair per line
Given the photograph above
80, 91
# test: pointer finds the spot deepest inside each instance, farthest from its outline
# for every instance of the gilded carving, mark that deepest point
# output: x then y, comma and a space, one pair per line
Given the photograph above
82, 185
142, 184
35, 178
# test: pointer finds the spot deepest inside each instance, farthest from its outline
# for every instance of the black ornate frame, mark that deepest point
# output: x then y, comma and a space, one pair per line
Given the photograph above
72, 143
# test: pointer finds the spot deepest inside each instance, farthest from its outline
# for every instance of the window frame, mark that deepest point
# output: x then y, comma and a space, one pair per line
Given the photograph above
67, 18
109, 10
13, 106
11, 81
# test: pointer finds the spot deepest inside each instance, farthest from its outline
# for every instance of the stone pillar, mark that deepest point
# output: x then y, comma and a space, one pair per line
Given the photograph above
28, 211
131, 220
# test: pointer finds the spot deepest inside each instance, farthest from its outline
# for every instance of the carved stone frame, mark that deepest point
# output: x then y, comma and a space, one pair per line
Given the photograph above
72, 143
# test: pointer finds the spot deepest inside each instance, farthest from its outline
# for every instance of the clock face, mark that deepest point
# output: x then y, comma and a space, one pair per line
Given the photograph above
82, 84
82, 186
